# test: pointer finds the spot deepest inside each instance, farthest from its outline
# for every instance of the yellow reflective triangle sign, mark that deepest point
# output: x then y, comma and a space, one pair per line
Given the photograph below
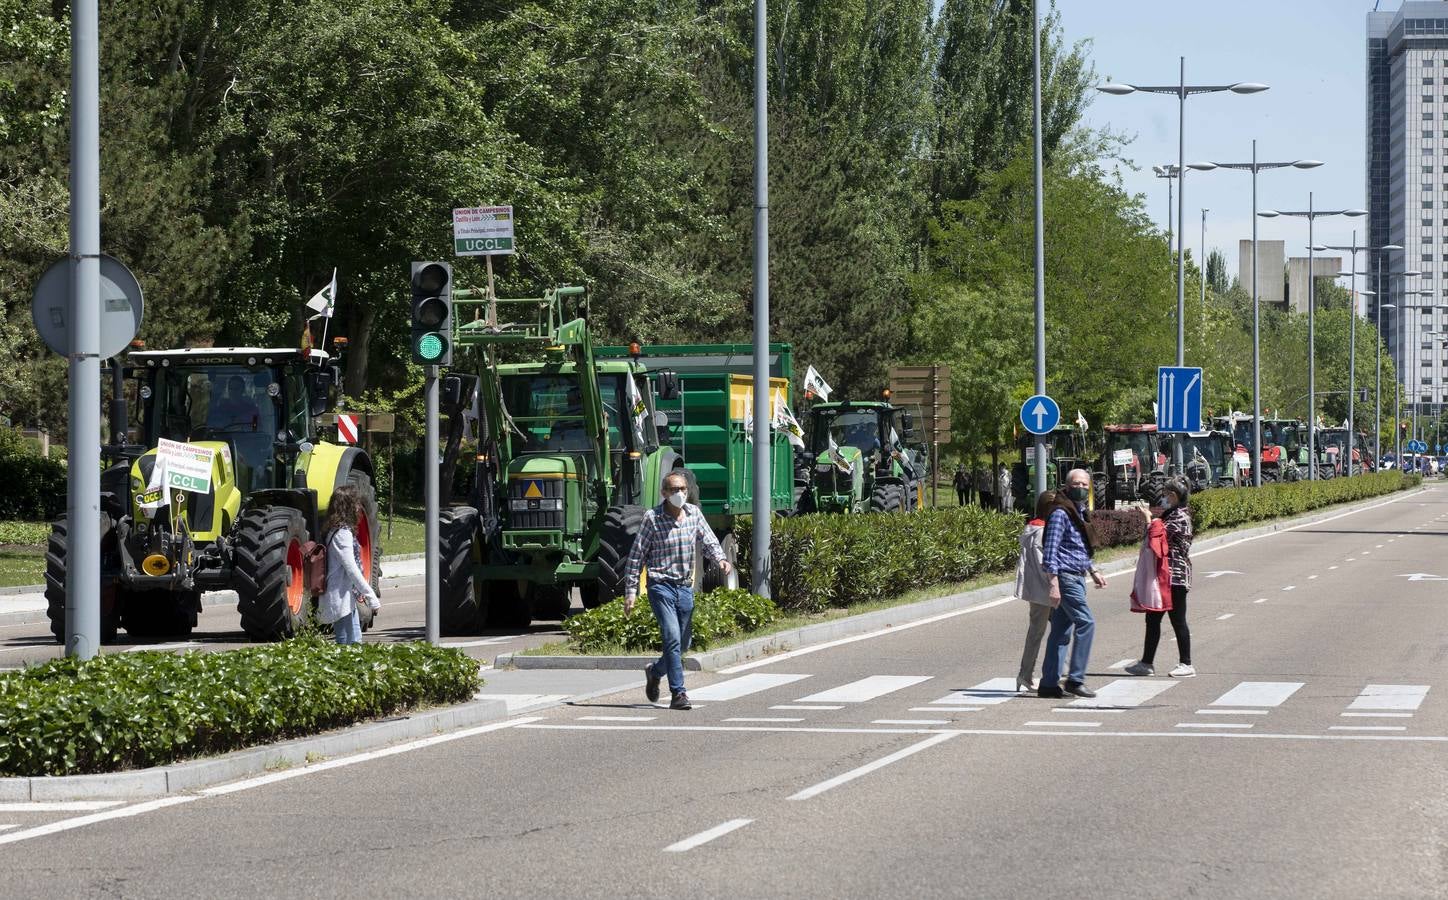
533, 492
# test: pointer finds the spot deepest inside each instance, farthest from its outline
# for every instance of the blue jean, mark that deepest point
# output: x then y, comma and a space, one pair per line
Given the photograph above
673, 606
348, 629
1072, 615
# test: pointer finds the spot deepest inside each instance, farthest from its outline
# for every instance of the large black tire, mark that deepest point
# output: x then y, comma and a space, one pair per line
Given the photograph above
56, 550
363, 483
268, 574
510, 605
714, 577
887, 498
463, 607
152, 614
615, 541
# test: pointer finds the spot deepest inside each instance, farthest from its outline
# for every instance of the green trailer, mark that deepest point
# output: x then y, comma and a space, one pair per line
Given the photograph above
707, 423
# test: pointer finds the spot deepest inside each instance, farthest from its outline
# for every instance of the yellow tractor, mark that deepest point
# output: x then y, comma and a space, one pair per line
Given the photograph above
243, 484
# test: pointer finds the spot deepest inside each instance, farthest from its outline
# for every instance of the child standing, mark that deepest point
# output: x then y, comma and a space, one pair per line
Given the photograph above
346, 584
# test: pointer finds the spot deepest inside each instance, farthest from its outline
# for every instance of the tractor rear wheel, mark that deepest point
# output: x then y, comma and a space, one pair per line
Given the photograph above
56, 550
621, 526
887, 498
463, 605
267, 562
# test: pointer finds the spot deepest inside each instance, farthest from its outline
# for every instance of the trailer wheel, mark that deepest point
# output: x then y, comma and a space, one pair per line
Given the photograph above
268, 565
463, 605
616, 539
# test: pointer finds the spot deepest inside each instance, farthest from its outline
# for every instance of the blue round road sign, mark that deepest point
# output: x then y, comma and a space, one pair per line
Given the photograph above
1040, 414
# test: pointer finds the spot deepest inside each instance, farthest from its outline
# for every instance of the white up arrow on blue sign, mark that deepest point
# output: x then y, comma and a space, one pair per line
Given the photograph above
1040, 414
1178, 399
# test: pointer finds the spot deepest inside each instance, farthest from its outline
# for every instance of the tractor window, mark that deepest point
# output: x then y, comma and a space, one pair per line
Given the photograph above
855, 429
221, 403
548, 410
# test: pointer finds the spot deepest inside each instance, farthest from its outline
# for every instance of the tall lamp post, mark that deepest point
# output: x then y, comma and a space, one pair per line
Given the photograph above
1378, 406
1182, 90
1254, 167
1205, 210
1311, 215
1352, 274
1168, 172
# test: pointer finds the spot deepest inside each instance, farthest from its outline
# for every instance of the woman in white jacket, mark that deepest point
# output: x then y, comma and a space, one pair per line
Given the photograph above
346, 584
1033, 584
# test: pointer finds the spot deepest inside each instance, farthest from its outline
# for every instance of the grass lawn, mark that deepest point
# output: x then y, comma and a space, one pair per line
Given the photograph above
406, 531
21, 564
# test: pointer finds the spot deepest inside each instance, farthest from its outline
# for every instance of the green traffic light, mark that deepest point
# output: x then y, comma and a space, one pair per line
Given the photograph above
431, 346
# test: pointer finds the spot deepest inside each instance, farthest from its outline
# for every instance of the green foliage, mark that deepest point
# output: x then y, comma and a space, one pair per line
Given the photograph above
1118, 527
34, 485
29, 533
718, 615
1224, 507
133, 710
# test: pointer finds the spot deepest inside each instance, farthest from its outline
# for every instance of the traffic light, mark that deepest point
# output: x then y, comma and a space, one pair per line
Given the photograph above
432, 313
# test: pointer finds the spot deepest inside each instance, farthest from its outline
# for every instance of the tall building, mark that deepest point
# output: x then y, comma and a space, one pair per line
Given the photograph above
1407, 161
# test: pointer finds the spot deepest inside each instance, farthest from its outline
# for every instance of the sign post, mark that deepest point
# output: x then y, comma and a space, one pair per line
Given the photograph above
928, 388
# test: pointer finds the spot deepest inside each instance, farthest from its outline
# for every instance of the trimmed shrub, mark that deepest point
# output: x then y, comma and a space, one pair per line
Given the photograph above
1223, 507
34, 484
1118, 527
131, 710
718, 614
24, 532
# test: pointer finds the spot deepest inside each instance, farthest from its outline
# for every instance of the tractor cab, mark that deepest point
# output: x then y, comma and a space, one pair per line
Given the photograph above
1065, 450
1208, 458
862, 463
1133, 459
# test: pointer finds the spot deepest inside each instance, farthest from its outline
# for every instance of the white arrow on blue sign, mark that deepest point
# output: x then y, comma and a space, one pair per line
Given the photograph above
1040, 414
1178, 399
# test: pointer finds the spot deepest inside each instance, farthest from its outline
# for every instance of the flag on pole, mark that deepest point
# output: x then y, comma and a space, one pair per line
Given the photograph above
637, 407
325, 300
815, 385
1081, 421
785, 421
749, 416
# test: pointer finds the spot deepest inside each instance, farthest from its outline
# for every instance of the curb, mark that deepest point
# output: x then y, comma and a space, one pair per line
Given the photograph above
188, 776
864, 623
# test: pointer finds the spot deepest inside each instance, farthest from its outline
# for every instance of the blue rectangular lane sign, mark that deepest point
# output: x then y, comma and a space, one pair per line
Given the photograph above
1178, 399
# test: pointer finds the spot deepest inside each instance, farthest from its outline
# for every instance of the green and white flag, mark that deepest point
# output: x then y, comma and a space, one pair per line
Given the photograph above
785, 421
324, 301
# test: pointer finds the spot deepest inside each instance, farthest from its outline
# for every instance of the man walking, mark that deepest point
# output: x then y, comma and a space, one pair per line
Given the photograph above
666, 544
1066, 557
962, 485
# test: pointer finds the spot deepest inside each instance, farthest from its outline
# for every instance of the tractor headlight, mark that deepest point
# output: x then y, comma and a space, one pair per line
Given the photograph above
554, 505
518, 505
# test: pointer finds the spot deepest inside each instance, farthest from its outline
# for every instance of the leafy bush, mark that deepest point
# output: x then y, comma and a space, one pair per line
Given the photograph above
833, 560
129, 710
718, 614
1118, 527
1223, 507
34, 485
24, 532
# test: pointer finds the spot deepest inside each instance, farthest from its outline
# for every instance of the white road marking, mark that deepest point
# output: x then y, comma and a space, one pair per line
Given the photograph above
892, 629
911, 722
1064, 724
1290, 587
1263, 600
517, 702
8, 827
1128, 692
866, 769
868, 688
1214, 724
1121, 664
1225, 616
987, 693
790, 707
1232, 712
59, 806
1367, 728
743, 686
1377, 715
705, 837
1378, 547
1351, 559
941, 709
82, 821
1365, 553
1084, 709
617, 718
1259, 694
1312, 578
483, 642
1330, 568
177, 645
763, 719
327, 765
1390, 696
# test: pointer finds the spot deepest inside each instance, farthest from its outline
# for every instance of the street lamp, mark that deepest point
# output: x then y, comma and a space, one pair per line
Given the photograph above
1352, 332
1254, 167
1378, 437
1311, 215
1168, 172
1205, 210
1182, 90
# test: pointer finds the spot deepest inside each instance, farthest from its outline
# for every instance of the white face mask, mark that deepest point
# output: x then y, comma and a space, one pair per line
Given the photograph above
677, 498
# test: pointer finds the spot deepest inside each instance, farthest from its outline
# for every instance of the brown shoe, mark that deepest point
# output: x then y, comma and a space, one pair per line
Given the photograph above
680, 701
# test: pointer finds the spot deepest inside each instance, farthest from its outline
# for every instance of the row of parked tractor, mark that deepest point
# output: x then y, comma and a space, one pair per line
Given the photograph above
1131, 462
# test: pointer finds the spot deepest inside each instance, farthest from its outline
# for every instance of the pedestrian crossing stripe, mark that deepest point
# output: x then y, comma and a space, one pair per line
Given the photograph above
534, 491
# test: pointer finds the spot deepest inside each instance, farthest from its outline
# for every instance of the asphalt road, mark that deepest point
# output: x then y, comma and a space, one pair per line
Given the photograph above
1309, 758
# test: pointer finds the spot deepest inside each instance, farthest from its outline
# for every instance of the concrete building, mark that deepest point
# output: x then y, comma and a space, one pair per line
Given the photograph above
1297, 287
1407, 165
1269, 277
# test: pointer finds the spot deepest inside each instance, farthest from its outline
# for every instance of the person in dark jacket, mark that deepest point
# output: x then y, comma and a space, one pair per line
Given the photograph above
962, 486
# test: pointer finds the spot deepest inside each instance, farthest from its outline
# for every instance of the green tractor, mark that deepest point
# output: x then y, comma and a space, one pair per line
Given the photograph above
168, 536
569, 459
861, 464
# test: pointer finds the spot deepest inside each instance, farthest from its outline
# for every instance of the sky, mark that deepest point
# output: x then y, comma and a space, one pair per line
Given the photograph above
1312, 54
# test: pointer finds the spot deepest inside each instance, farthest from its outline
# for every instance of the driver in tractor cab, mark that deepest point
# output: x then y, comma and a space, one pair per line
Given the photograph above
234, 408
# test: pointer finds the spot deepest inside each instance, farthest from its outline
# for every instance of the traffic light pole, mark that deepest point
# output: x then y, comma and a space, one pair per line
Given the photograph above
430, 503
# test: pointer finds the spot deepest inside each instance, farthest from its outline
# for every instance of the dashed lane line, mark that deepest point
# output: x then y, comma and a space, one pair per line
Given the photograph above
867, 768
790, 707
1214, 724
1262, 600
766, 719
1290, 587
1377, 715
1065, 724
1367, 728
705, 837
910, 722
617, 718
1225, 616
59, 806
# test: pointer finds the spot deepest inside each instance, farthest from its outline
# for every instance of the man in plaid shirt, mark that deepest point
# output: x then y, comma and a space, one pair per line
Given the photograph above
665, 545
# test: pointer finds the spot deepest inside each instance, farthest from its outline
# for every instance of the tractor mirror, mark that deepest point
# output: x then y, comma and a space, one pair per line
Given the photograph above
456, 393
319, 390
668, 386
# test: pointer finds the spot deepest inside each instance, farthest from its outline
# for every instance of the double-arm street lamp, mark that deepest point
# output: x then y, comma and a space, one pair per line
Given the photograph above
1352, 273
1182, 90
1311, 215
1168, 172
1254, 167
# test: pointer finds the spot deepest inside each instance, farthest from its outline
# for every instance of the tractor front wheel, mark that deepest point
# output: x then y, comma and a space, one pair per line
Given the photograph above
267, 562
463, 607
56, 552
887, 498
621, 526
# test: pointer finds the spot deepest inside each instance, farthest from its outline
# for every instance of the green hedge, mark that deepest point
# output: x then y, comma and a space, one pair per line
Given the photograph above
718, 614
131, 710
1224, 507
34, 484
843, 560
24, 532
